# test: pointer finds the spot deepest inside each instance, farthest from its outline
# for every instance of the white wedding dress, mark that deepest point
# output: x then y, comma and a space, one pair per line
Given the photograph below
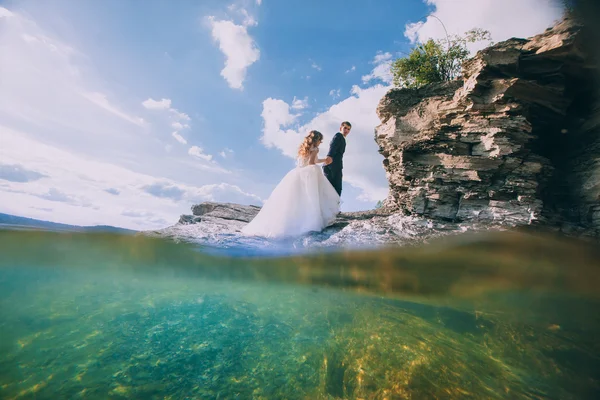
302, 202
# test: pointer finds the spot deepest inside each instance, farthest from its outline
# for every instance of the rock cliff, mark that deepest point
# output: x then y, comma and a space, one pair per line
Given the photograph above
515, 142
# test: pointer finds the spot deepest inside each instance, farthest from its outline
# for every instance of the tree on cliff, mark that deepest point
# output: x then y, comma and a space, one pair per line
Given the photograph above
435, 60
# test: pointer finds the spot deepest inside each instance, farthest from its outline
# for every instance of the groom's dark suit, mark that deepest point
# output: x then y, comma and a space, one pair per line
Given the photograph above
333, 171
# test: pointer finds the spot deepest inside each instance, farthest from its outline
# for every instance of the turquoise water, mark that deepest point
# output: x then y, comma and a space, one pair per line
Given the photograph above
103, 316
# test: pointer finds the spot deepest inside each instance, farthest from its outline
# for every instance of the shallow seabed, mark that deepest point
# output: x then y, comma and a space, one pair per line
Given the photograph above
116, 316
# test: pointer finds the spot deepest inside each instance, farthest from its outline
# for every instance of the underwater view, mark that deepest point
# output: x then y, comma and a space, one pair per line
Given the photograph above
327, 200
117, 316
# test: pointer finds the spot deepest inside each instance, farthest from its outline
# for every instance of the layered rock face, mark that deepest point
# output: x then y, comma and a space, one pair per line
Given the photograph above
515, 142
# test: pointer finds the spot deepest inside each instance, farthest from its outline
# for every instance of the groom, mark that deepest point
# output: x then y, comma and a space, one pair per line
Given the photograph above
333, 164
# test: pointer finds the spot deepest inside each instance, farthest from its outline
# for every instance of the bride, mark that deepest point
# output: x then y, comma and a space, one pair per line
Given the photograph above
303, 201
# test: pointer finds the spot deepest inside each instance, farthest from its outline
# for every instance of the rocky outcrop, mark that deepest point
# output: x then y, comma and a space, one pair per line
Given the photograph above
211, 211
217, 225
515, 142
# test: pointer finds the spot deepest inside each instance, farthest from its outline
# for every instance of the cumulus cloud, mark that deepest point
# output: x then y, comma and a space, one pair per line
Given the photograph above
162, 104
180, 115
238, 47
515, 18
165, 104
178, 120
17, 173
362, 163
276, 116
299, 104
199, 152
381, 71
179, 126
335, 93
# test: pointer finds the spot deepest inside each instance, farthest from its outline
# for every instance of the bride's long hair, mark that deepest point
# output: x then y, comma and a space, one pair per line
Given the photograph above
309, 142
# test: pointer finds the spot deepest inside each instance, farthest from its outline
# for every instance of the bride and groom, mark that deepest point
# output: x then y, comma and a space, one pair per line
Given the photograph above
308, 197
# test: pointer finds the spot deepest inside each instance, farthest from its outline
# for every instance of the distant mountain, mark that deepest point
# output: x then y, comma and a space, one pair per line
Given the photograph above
21, 222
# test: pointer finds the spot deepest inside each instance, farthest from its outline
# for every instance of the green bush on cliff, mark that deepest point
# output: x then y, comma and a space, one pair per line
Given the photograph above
435, 60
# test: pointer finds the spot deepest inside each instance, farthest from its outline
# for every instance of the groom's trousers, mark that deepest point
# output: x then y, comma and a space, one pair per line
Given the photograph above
334, 176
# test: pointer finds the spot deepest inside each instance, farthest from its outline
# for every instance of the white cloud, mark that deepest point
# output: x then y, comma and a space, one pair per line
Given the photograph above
151, 104
172, 116
259, 2
165, 104
199, 152
4, 13
248, 19
299, 104
179, 138
222, 192
178, 125
180, 115
237, 45
362, 163
226, 153
352, 69
315, 66
515, 18
82, 191
276, 114
334, 93
382, 57
381, 71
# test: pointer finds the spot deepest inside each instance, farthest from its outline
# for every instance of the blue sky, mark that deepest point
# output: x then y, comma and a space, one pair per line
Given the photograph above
126, 113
